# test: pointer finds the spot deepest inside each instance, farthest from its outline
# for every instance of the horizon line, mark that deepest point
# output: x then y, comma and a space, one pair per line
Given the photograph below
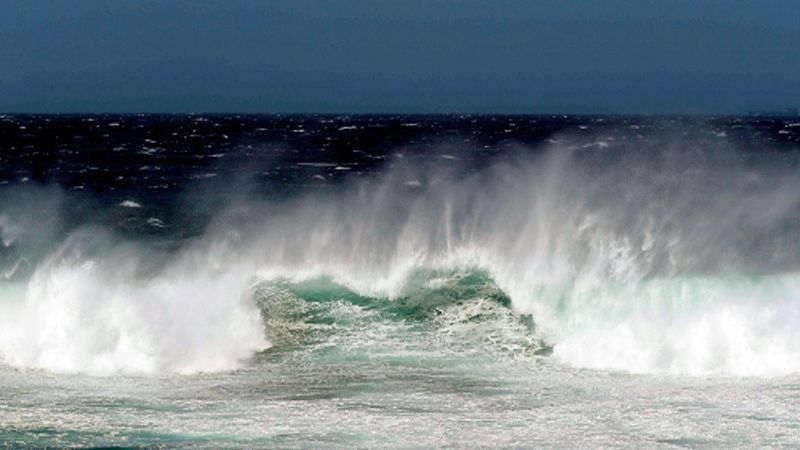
752, 113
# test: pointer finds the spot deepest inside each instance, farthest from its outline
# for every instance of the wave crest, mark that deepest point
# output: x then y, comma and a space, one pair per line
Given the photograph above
630, 257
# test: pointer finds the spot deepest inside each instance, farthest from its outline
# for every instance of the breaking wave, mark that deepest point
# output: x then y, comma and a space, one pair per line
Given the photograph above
630, 258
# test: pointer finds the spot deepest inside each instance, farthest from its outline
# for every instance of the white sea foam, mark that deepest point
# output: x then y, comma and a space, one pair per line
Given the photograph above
97, 315
660, 261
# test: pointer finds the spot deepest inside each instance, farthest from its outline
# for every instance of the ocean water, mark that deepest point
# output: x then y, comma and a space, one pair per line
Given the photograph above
268, 281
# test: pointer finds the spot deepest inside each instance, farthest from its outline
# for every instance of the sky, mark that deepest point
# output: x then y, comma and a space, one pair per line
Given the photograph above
404, 56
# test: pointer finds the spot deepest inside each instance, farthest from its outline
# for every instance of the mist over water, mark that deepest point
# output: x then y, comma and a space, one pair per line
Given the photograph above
654, 256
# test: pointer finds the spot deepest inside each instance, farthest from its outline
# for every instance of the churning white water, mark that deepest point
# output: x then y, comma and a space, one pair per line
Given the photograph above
642, 260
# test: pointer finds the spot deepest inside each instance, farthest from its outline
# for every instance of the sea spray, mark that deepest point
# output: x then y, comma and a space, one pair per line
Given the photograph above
92, 307
634, 256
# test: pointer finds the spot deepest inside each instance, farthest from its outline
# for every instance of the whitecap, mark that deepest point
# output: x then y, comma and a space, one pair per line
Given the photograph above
130, 204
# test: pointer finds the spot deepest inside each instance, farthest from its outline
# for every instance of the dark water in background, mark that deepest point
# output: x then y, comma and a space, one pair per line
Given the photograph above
402, 281
156, 158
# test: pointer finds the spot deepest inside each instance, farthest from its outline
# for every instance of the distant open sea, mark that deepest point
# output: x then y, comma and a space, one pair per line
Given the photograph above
383, 281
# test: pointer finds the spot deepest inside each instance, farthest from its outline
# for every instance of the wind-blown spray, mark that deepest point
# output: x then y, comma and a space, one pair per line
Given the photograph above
629, 257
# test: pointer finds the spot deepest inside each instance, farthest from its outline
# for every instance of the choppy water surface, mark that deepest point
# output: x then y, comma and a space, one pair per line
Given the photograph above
399, 281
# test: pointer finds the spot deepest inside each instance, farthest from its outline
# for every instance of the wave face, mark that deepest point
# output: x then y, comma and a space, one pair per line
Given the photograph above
437, 314
639, 255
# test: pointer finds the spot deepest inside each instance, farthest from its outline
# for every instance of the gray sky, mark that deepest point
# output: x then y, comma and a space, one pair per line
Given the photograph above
427, 56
